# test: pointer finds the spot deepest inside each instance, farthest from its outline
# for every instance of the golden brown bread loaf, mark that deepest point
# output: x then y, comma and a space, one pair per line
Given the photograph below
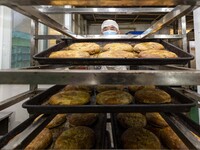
57, 121
82, 119
140, 139
91, 48
41, 141
156, 120
69, 54
135, 120
102, 88
152, 96
157, 54
114, 97
118, 46
134, 88
117, 54
70, 98
146, 46
171, 140
76, 138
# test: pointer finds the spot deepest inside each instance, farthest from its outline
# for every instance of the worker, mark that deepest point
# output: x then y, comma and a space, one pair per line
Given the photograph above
110, 27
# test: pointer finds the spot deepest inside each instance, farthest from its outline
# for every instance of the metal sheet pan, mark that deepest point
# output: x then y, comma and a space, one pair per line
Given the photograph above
99, 128
35, 105
42, 57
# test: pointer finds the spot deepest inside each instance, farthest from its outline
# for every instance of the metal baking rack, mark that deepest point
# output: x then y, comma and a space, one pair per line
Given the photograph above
38, 75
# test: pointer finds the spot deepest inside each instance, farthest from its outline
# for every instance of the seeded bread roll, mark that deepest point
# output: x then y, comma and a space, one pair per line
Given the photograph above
117, 54
135, 120
171, 140
82, 119
91, 48
118, 46
152, 96
140, 139
114, 97
69, 54
156, 120
76, 138
157, 54
57, 121
41, 141
70, 98
134, 88
146, 46
102, 88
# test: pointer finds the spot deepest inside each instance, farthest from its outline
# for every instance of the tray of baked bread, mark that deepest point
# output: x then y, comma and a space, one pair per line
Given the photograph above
69, 131
143, 131
113, 52
108, 98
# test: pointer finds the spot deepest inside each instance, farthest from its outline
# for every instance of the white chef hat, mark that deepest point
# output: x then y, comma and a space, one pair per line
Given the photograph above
109, 23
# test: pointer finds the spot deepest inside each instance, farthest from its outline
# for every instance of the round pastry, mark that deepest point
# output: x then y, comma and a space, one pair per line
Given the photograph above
156, 120
157, 54
134, 88
78, 88
152, 96
140, 139
41, 141
146, 46
171, 140
70, 98
57, 120
76, 138
114, 97
136, 120
91, 48
69, 54
102, 88
82, 119
118, 46
117, 54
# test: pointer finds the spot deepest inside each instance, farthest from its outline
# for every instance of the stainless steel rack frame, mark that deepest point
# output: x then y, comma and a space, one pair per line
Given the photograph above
175, 76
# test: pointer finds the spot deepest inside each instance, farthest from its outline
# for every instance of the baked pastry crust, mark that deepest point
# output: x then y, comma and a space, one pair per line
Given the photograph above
118, 46
117, 54
78, 88
171, 140
146, 46
135, 120
134, 88
102, 88
69, 54
114, 97
157, 54
140, 139
57, 121
152, 96
76, 138
156, 120
41, 141
70, 98
91, 48
82, 119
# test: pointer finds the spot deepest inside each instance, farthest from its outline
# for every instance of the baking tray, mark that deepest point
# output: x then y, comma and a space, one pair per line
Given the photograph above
118, 130
99, 127
36, 105
42, 57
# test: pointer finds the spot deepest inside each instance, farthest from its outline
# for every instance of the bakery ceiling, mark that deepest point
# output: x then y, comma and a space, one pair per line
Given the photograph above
144, 15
